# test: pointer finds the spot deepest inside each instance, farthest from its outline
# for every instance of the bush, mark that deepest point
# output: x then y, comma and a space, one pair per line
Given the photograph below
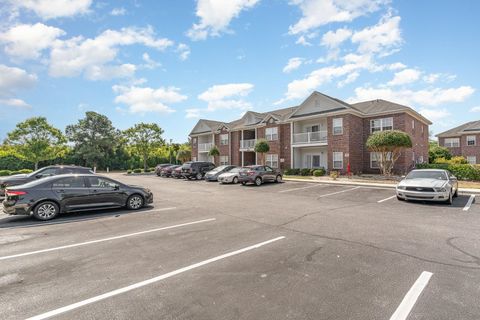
25, 171
129, 171
334, 174
435, 152
292, 172
137, 170
461, 171
4, 173
305, 172
15, 172
319, 172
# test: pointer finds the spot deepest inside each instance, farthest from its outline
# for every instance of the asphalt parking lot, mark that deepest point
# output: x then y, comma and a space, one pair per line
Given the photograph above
279, 251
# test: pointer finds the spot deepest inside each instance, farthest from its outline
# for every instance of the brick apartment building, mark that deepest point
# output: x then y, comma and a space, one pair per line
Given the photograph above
462, 141
320, 132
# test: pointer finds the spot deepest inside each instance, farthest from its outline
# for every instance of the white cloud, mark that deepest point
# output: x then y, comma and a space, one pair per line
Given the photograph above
475, 109
435, 77
13, 79
184, 51
149, 62
14, 102
27, 41
50, 9
215, 16
423, 97
293, 64
144, 99
303, 41
103, 72
435, 114
349, 79
396, 66
316, 13
383, 38
192, 113
78, 56
405, 76
118, 11
222, 91
332, 39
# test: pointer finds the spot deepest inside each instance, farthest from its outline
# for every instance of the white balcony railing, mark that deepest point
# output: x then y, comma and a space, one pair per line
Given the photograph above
204, 147
247, 144
319, 137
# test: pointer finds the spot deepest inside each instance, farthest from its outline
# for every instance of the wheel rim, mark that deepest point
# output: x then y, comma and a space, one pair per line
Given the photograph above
258, 181
279, 179
199, 176
46, 211
235, 180
135, 202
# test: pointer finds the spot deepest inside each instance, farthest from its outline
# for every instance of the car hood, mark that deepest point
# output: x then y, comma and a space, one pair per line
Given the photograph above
424, 183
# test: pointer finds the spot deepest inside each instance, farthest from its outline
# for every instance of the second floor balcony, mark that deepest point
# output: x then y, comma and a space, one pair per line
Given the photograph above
205, 147
247, 145
317, 137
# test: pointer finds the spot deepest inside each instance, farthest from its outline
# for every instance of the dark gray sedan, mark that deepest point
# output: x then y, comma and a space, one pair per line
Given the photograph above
259, 174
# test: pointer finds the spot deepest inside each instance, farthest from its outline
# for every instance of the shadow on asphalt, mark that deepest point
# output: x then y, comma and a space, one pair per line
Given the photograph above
29, 221
458, 202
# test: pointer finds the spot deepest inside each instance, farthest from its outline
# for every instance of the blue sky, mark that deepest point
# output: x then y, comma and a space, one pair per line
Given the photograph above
173, 62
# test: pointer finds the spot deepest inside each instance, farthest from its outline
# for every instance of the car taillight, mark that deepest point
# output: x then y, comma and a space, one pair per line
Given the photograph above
11, 193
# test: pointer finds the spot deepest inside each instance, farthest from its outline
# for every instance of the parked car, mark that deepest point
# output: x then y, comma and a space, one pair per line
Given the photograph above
196, 169
428, 185
46, 198
159, 167
177, 173
167, 171
213, 174
259, 174
232, 176
19, 179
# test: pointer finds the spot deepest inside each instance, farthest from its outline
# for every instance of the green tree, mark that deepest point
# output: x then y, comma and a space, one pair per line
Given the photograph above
184, 155
389, 145
36, 140
262, 147
94, 138
143, 138
214, 152
435, 152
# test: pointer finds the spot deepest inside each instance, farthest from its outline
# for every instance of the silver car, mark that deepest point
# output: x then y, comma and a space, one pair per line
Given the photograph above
231, 176
428, 185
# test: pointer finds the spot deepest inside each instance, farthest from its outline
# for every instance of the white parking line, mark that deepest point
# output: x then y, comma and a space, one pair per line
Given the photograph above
333, 193
386, 199
105, 239
411, 297
149, 281
469, 203
295, 189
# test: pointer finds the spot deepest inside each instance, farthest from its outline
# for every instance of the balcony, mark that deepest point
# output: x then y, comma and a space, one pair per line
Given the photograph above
317, 137
205, 147
247, 145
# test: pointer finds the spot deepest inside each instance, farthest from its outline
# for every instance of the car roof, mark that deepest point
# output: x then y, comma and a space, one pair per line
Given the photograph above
444, 170
66, 166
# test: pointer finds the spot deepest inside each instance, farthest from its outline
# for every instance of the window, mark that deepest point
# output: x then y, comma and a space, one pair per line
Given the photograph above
315, 161
194, 158
223, 160
338, 160
471, 140
314, 128
413, 124
472, 159
271, 133
272, 160
420, 159
338, 126
452, 142
224, 139
47, 172
376, 158
98, 182
194, 140
381, 124
413, 156
70, 182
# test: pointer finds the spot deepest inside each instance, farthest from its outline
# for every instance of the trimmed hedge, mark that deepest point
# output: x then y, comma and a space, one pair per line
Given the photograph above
461, 171
4, 173
319, 172
305, 172
137, 170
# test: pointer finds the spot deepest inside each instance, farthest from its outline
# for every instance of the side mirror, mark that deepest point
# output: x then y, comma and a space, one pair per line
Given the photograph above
116, 187
38, 176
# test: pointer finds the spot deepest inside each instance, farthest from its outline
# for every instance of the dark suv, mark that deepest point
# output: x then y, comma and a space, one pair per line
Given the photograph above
196, 169
19, 179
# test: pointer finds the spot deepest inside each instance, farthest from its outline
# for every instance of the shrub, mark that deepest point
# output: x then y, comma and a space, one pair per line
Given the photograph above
25, 171
389, 144
292, 172
319, 172
129, 171
334, 174
4, 173
15, 172
461, 171
305, 172
137, 170
435, 152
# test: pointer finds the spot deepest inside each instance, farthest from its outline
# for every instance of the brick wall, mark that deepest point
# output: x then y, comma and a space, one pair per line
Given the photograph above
235, 137
464, 149
223, 149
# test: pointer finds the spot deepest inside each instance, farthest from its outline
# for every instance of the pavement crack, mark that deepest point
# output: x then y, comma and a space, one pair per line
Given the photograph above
475, 259
309, 257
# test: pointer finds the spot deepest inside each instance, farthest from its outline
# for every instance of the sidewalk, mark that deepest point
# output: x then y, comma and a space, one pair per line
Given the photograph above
353, 182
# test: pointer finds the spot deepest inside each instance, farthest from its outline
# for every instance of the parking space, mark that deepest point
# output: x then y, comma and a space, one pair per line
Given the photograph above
207, 251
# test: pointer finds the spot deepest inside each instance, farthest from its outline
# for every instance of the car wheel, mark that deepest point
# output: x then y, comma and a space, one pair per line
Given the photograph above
199, 176
450, 199
456, 193
278, 179
135, 202
46, 210
258, 181
401, 199
243, 183
235, 180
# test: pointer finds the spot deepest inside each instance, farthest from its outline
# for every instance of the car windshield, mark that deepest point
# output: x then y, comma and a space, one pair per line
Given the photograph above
187, 165
439, 175
235, 170
221, 168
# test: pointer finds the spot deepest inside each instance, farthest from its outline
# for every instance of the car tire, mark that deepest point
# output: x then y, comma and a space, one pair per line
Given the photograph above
244, 183
46, 211
278, 179
456, 193
258, 181
235, 180
135, 202
450, 199
400, 199
199, 176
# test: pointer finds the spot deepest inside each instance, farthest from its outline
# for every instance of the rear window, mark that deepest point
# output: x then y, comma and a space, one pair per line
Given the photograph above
187, 165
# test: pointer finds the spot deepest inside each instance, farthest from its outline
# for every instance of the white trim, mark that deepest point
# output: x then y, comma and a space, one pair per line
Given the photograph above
451, 142
333, 126
474, 140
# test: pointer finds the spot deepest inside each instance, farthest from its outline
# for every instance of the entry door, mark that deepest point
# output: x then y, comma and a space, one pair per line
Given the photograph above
313, 161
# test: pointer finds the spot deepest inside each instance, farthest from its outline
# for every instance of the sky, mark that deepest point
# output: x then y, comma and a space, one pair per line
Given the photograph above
174, 62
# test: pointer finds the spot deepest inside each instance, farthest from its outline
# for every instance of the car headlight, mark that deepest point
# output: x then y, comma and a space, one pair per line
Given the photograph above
440, 189
401, 187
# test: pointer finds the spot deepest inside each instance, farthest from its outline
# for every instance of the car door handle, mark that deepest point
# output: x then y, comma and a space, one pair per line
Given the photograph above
94, 191
61, 191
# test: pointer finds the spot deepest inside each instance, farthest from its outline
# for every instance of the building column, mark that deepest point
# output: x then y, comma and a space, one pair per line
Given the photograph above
292, 127
242, 159
254, 149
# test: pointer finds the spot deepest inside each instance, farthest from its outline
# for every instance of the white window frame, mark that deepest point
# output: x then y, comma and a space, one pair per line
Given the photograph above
271, 160
381, 124
413, 124
452, 142
420, 159
377, 157
194, 140
469, 138
271, 133
223, 160
337, 157
337, 123
224, 139
194, 158
472, 159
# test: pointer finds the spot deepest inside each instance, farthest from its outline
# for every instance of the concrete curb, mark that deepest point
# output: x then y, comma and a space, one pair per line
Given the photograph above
367, 184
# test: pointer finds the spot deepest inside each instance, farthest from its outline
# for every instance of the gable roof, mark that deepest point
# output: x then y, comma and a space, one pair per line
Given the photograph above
461, 129
205, 126
373, 107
